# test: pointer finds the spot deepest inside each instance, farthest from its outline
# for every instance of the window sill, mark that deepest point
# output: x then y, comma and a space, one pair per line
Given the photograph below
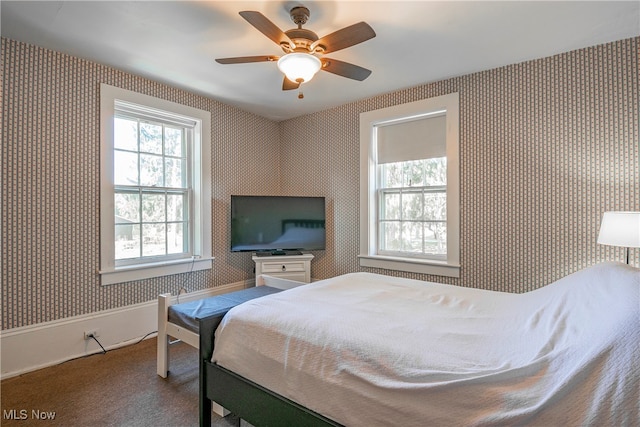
422, 266
147, 271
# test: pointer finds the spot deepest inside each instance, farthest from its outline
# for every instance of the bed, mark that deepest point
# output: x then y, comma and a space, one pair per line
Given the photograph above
364, 349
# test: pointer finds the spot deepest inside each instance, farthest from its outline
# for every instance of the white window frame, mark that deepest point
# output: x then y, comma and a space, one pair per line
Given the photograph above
369, 121
200, 258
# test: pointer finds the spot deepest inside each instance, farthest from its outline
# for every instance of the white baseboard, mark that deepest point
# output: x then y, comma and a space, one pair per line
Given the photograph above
46, 344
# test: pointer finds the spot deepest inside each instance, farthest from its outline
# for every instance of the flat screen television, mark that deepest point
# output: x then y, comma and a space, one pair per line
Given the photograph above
277, 225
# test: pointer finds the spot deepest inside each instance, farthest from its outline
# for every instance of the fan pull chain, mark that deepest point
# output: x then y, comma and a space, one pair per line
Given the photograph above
300, 95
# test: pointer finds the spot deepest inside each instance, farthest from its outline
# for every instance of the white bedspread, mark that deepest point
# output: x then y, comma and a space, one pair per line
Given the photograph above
367, 350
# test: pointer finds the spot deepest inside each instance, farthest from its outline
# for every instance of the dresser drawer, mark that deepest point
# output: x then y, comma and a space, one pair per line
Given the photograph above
292, 267
283, 267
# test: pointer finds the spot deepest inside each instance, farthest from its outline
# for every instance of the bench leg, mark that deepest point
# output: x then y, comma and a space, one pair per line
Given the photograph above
164, 301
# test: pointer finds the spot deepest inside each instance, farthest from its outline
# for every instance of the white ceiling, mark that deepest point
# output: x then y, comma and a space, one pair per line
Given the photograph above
176, 42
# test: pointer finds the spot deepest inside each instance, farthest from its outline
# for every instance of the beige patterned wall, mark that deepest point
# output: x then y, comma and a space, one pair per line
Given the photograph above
51, 185
546, 147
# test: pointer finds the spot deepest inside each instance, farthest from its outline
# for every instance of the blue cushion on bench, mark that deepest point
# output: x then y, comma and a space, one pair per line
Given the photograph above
187, 314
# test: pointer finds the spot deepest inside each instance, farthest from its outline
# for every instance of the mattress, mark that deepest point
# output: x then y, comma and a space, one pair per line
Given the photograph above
373, 350
188, 314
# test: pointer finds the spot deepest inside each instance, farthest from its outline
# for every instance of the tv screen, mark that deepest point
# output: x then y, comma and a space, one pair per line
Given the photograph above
275, 224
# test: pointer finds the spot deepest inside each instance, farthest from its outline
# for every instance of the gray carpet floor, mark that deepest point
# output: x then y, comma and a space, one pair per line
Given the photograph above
119, 388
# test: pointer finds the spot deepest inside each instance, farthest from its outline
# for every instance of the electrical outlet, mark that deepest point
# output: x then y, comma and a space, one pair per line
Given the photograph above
90, 333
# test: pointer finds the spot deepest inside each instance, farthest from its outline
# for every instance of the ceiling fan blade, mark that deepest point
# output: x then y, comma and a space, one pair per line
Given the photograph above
289, 85
345, 69
346, 37
267, 27
245, 59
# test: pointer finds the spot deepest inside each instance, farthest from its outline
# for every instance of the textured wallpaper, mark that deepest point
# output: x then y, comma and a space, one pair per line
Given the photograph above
51, 185
546, 146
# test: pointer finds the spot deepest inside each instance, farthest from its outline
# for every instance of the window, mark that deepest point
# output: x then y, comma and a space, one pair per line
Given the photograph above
410, 187
155, 187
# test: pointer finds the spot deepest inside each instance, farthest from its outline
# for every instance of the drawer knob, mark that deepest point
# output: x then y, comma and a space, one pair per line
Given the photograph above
284, 268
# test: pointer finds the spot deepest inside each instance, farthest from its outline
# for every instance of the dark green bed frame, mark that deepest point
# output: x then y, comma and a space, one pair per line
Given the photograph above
245, 399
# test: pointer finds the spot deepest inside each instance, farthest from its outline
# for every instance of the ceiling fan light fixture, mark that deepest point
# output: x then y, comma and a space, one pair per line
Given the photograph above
299, 67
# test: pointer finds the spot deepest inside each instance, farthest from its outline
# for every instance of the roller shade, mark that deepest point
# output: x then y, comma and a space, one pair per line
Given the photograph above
423, 138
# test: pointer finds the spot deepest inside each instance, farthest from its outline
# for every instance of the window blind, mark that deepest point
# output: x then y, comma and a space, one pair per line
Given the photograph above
423, 138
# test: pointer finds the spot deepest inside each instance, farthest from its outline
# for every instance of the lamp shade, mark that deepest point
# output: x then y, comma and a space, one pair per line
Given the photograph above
299, 67
620, 229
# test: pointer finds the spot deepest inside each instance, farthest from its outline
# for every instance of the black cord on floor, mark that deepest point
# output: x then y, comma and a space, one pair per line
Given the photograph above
137, 342
96, 340
103, 349
142, 339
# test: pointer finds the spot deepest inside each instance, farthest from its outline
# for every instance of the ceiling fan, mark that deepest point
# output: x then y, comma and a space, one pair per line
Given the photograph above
304, 50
